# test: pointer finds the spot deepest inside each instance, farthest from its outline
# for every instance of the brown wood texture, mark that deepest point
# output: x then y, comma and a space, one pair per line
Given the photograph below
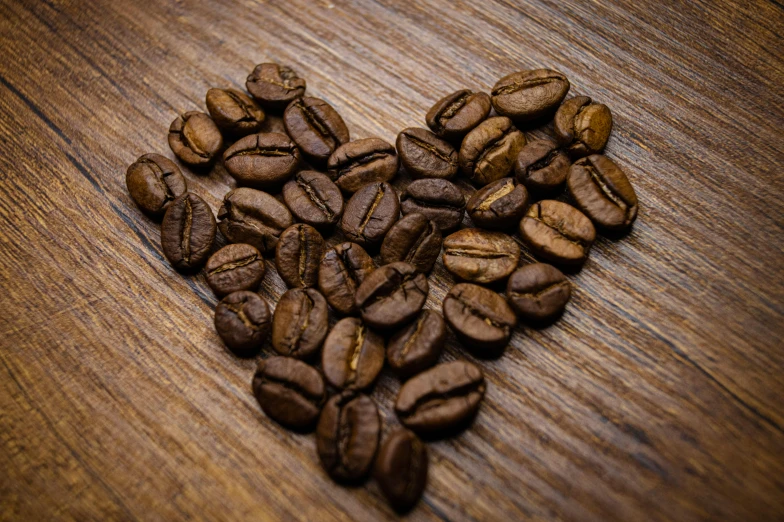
658, 395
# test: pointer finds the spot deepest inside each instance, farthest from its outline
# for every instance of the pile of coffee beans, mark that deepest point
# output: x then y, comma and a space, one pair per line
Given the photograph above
312, 181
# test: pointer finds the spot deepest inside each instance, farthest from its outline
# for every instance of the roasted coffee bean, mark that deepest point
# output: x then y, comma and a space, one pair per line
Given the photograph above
480, 317
414, 239
316, 127
603, 192
342, 270
289, 391
242, 320
542, 166
353, 355
370, 213
264, 160
437, 199
480, 256
529, 95
425, 155
233, 268
298, 254
153, 182
441, 400
187, 232
582, 127
418, 345
558, 232
392, 295
489, 151
195, 139
499, 205
300, 323
538, 292
234, 112
274, 86
254, 217
455, 114
401, 469
314, 199
359, 162
347, 436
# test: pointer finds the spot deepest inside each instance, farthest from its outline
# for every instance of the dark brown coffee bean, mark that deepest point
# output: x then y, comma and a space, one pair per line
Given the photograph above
234, 112
254, 217
289, 391
262, 160
417, 346
539, 292
242, 320
153, 182
480, 317
401, 469
438, 200
414, 239
455, 114
529, 95
187, 232
489, 151
342, 270
300, 323
582, 127
298, 254
274, 86
316, 127
392, 295
542, 166
314, 199
441, 400
499, 205
558, 232
233, 268
425, 155
370, 213
603, 192
347, 436
195, 139
359, 162
480, 256
353, 355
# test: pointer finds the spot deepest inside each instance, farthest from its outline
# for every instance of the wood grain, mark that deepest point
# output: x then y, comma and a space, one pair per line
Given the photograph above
656, 397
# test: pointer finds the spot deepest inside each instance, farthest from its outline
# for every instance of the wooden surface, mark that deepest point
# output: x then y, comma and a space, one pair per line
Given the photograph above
658, 396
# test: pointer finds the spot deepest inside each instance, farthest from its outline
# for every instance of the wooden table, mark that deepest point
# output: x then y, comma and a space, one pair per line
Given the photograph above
658, 396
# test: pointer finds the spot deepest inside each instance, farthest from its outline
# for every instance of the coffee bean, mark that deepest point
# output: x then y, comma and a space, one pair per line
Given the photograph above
298, 254
289, 391
539, 292
488, 152
242, 320
437, 199
455, 114
316, 127
542, 166
582, 127
347, 436
233, 268
254, 217
342, 270
359, 162
603, 192
480, 318
195, 139
187, 232
353, 355
441, 400
529, 95
558, 232
370, 213
414, 239
499, 205
234, 112
274, 86
480, 256
392, 295
418, 345
401, 469
300, 323
264, 160
425, 155
153, 182
314, 199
